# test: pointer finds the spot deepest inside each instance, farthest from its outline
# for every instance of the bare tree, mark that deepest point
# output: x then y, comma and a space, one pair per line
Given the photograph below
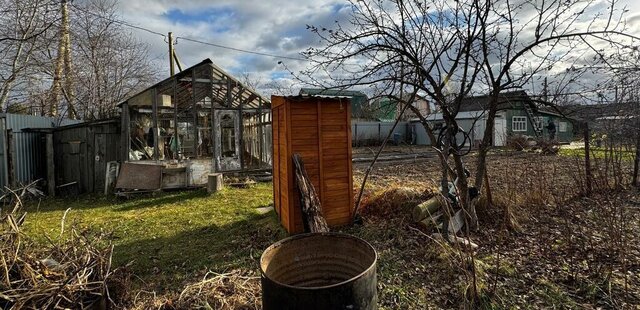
449, 50
36, 72
24, 25
281, 87
110, 62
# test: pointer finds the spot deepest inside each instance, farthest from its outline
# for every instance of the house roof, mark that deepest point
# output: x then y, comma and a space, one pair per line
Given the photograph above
206, 79
600, 111
331, 92
506, 100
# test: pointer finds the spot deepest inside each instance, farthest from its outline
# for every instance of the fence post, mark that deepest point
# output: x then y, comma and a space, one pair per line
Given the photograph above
355, 139
587, 159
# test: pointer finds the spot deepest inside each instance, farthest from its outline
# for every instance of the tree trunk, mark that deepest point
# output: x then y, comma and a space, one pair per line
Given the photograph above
444, 185
636, 165
485, 145
488, 189
471, 217
312, 217
60, 65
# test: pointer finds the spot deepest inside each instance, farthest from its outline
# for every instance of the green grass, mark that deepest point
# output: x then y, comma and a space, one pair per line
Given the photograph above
173, 236
599, 153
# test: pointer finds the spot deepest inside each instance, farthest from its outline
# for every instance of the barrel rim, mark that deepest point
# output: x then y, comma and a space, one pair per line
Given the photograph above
308, 235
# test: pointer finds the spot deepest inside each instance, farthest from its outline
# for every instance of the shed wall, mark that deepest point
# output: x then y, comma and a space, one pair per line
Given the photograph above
82, 153
564, 136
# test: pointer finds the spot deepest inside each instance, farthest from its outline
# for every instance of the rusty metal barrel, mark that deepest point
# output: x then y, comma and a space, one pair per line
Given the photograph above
319, 271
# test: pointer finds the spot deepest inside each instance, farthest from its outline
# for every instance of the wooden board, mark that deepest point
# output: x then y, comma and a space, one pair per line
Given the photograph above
140, 177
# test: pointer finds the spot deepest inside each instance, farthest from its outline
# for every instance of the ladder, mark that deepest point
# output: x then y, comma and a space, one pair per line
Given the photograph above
537, 127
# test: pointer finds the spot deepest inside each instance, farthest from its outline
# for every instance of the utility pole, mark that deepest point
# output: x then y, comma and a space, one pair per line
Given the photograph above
171, 54
545, 91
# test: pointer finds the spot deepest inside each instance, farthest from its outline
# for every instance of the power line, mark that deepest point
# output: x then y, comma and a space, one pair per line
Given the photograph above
117, 21
185, 38
240, 50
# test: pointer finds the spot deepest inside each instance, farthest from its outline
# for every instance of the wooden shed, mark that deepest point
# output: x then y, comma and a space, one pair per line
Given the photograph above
319, 129
81, 153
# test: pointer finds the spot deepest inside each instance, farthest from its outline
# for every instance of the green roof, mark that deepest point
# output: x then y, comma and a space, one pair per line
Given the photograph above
358, 98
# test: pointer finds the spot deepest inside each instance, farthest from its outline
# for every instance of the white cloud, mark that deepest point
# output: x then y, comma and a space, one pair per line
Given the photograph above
267, 26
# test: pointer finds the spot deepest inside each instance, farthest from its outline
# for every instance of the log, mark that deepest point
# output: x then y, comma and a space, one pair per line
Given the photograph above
312, 218
426, 209
430, 221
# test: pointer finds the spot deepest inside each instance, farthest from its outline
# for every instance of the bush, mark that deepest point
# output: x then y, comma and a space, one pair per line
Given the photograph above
517, 142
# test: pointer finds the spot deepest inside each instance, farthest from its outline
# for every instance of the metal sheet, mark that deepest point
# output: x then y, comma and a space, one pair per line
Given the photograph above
29, 152
17, 122
140, 176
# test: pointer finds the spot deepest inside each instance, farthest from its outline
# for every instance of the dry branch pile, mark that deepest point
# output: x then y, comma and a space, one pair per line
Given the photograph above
67, 274
231, 290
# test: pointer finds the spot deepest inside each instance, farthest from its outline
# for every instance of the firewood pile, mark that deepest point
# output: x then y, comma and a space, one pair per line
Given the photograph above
70, 272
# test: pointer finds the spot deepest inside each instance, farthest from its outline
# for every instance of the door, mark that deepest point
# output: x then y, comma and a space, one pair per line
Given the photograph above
227, 144
500, 131
99, 162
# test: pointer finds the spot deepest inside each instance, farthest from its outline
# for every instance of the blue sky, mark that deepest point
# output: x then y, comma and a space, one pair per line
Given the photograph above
211, 15
268, 26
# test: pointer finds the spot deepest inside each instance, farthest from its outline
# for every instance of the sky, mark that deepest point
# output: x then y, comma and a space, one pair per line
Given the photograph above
277, 27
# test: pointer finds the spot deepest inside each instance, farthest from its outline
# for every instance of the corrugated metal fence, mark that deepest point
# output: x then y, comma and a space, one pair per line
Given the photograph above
372, 133
24, 151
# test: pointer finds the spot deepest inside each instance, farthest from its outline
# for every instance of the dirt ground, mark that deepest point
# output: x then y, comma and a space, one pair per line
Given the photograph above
570, 251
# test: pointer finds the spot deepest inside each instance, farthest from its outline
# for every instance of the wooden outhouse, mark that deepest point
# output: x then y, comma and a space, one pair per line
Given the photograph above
319, 129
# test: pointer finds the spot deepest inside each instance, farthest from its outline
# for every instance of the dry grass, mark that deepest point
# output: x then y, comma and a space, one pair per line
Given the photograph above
69, 273
233, 290
565, 251
393, 200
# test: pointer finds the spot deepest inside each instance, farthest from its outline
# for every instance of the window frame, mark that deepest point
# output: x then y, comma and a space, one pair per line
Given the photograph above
521, 121
562, 126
